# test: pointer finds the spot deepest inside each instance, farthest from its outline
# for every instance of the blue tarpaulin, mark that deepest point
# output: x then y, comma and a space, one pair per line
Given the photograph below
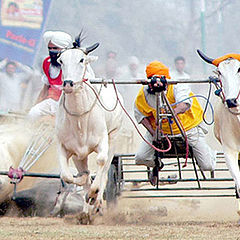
21, 26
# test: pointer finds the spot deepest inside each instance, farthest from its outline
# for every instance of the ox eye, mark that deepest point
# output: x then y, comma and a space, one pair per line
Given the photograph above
81, 61
60, 61
219, 73
239, 70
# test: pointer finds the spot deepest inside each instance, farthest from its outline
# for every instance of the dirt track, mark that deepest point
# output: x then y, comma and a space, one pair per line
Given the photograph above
137, 219
212, 218
36, 228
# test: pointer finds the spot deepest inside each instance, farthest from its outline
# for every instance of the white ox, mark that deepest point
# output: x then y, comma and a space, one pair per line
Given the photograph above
227, 113
83, 126
14, 140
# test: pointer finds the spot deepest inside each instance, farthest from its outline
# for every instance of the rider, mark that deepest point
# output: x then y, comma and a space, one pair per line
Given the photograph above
47, 101
188, 111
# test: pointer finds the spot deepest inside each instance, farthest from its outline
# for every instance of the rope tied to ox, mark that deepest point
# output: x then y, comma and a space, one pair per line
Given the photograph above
130, 118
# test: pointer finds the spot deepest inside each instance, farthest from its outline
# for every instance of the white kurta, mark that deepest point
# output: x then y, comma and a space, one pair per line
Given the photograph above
11, 91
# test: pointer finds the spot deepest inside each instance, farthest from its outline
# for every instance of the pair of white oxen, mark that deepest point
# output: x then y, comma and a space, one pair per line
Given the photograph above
83, 126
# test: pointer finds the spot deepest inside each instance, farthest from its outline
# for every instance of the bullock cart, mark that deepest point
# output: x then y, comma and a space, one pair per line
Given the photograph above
127, 179
180, 177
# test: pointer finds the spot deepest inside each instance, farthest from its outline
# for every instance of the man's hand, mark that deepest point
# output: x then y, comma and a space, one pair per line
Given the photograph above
17, 63
157, 84
147, 124
181, 108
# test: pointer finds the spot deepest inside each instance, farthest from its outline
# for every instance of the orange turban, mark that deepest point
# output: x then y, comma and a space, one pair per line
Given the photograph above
220, 59
157, 68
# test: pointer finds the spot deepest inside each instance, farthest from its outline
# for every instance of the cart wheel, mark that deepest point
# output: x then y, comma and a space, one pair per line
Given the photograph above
111, 187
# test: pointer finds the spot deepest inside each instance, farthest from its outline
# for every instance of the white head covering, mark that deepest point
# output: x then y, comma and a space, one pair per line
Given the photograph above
60, 39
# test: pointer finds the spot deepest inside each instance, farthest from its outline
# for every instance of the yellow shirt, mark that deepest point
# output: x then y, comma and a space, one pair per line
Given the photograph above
190, 119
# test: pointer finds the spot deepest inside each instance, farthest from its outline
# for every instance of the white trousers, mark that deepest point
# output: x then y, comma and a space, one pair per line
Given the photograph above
44, 108
204, 155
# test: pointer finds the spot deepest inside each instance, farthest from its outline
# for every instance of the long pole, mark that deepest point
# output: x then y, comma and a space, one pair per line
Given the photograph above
146, 81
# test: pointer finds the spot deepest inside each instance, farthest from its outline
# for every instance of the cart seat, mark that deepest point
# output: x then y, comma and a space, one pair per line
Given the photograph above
178, 148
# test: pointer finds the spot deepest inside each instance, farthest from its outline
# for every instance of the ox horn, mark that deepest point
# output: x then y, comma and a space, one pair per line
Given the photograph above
91, 48
204, 57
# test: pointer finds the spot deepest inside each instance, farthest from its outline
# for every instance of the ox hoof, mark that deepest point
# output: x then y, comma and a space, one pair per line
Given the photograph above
84, 218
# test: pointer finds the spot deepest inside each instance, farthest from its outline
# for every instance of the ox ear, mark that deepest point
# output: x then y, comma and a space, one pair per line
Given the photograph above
90, 59
91, 48
204, 57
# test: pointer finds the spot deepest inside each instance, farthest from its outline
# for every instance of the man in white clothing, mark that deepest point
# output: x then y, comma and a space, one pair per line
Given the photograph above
47, 101
179, 73
12, 84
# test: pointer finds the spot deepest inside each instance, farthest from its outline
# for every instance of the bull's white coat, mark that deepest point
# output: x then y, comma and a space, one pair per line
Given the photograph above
14, 140
92, 130
227, 124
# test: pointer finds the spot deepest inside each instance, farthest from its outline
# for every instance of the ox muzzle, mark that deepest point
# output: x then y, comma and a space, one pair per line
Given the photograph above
66, 82
232, 103
68, 86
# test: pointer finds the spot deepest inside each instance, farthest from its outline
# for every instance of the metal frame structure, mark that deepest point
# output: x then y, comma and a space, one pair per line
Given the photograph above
123, 170
190, 179
209, 186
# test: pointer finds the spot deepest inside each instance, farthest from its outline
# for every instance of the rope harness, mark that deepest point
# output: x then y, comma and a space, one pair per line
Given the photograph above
84, 80
134, 124
74, 114
219, 92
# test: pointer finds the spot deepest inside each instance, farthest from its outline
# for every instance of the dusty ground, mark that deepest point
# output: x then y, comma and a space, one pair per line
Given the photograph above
137, 219
37, 228
177, 219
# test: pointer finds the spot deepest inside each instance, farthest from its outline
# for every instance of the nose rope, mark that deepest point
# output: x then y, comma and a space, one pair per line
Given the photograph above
138, 130
80, 114
220, 88
224, 98
82, 78
100, 102
97, 94
234, 113
238, 95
